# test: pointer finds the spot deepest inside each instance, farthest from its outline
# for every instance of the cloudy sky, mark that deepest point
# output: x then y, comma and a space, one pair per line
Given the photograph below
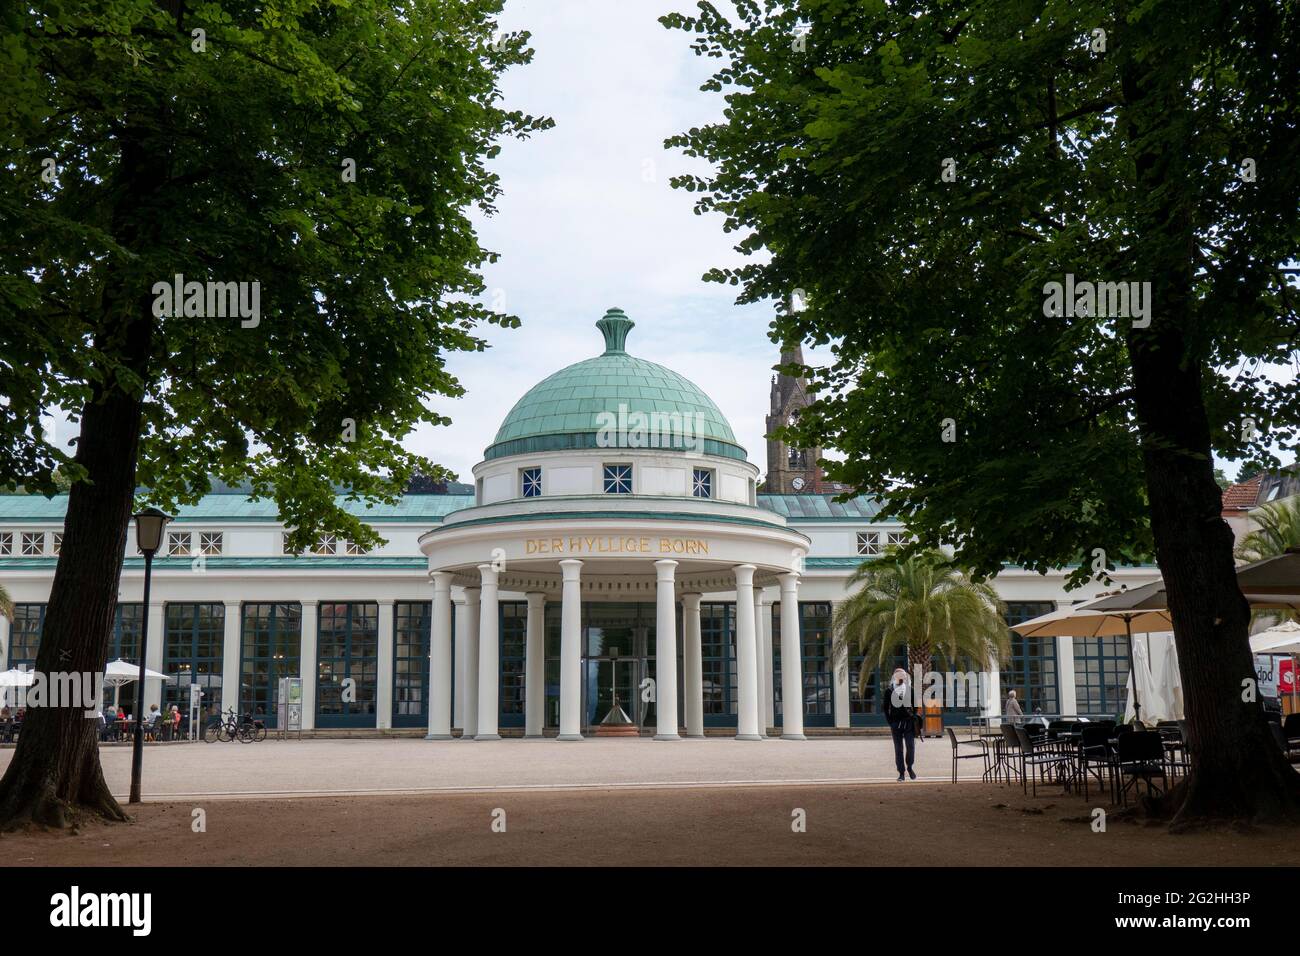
588, 221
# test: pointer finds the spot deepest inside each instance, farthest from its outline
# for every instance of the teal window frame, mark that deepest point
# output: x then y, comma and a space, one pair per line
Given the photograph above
194, 637
1032, 667
25, 634
512, 637
1101, 676
347, 646
718, 663
412, 631
815, 657
270, 635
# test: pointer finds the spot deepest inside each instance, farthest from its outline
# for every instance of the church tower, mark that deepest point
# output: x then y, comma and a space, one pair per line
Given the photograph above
790, 470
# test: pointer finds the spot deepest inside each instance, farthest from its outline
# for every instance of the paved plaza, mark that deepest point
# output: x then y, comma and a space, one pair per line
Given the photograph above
397, 765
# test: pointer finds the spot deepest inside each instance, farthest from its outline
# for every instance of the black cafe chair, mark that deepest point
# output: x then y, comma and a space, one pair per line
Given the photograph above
956, 744
1038, 758
1097, 758
1140, 755
1012, 755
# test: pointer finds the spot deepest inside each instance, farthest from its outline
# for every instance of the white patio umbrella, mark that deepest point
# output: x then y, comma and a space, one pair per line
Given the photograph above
1124, 613
121, 672
1156, 675
1281, 638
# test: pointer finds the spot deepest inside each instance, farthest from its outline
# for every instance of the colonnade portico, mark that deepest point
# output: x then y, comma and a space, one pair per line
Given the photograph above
613, 569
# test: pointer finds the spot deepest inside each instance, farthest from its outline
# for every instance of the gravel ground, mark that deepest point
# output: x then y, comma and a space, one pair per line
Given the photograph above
912, 823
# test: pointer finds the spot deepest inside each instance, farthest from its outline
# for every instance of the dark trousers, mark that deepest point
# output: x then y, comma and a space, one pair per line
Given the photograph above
903, 732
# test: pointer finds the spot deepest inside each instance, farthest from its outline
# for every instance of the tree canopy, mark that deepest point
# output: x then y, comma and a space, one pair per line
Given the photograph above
915, 174
1050, 244
327, 151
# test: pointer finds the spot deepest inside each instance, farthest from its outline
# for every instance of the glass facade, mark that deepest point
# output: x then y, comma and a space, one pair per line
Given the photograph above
1031, 669
124, 644
347, 664
193, 636
270, 648
128, 619
513, 635
411, 631
815, 650
718, 652
25, 635
1101, 676
865, 708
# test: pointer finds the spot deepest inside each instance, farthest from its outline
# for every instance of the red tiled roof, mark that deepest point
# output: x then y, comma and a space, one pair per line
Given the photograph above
1242, 495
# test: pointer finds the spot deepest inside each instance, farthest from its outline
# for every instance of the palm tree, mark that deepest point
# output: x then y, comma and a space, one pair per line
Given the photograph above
926, 604
1277, 530
6, 603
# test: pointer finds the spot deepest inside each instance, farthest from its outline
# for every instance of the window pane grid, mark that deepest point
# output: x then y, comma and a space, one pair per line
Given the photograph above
271, 645
411, 623
347, 649
193, 639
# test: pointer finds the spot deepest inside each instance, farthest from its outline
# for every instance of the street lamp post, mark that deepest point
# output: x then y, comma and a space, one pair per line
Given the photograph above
149, 526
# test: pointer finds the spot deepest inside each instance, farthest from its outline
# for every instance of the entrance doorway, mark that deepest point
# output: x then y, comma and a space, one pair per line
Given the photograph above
618, 659
613, 690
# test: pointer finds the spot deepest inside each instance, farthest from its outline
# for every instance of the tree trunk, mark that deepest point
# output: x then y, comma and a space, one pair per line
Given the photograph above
55, 771
1238, 772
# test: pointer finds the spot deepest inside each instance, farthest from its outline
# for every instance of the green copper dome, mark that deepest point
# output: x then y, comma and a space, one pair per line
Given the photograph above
615, 392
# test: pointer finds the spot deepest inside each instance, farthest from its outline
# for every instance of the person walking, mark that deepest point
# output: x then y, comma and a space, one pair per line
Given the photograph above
1012, 708
901, 714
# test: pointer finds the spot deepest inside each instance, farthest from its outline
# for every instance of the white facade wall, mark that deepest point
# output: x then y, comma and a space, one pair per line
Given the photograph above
314, 580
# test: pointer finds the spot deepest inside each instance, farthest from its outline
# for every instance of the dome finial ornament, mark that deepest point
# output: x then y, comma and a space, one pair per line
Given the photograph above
614, 325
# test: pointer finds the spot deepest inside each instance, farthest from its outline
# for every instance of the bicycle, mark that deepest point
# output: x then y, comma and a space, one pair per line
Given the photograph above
239, 727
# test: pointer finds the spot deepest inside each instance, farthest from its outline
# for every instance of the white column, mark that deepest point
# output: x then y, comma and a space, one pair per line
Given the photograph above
746, 655
535, 665
840, 675
666, 650
230, 663
307, 663
467, 672
384, 668
767, 715
489, 655
761, 682
154, 654
571, 650
1065, 686
692, 665
440, 659
791, 661
460, 636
